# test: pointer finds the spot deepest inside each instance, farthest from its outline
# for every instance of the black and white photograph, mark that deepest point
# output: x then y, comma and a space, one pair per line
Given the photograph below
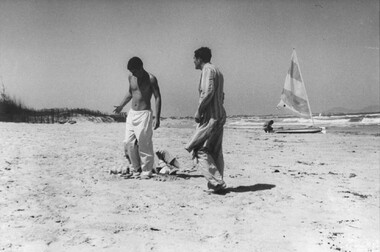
189, 126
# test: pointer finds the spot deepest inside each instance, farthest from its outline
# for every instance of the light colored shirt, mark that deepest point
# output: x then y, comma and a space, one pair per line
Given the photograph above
210, 109
211, 94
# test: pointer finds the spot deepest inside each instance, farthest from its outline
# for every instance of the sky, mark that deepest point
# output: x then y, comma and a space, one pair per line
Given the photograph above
73, 53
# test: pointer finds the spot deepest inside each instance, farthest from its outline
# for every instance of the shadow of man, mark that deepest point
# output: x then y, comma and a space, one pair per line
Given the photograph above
242, 189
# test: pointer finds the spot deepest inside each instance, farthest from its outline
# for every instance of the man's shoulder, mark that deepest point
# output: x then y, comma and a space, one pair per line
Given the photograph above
211, 68
152, 78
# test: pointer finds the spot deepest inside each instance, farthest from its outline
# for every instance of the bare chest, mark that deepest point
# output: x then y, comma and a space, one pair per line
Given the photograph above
142, 86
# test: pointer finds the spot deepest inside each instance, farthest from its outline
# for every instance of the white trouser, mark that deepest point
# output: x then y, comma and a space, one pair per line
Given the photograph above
138, 139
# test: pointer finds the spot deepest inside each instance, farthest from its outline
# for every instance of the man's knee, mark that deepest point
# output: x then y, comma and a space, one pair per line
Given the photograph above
131, 143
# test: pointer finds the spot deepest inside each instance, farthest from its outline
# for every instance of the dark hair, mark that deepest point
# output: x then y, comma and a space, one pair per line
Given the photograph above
135, 63
203, 53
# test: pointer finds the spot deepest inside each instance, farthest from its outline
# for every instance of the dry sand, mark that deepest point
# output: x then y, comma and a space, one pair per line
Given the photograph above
313, 192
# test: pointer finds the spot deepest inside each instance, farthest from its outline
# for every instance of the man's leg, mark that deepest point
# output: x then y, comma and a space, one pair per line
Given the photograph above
144, 133
130, 144
211, 162
133, 152
207, 165
217, 150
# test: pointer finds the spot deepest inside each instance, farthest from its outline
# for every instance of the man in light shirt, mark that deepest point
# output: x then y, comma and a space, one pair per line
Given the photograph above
206, 143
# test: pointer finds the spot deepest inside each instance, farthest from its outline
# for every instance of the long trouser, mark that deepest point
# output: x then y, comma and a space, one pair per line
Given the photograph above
138, 140
210, 159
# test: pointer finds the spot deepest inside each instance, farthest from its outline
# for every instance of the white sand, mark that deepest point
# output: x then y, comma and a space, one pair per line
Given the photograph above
317, 192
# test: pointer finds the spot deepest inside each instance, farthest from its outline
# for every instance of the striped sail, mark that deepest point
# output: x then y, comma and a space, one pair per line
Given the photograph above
294, 97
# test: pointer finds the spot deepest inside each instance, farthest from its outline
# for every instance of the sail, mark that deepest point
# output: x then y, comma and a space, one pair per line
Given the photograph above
294, 97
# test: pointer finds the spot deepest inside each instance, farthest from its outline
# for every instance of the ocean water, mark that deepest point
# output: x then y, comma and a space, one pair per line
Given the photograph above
348, 120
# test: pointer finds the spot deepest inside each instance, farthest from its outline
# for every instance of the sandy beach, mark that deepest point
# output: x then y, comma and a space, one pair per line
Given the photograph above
307, 192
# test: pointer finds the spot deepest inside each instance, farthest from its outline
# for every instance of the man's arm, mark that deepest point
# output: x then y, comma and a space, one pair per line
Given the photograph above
207, 87
157, 96
125, 100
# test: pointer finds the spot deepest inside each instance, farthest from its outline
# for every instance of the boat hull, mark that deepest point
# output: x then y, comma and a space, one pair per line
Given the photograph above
299, 131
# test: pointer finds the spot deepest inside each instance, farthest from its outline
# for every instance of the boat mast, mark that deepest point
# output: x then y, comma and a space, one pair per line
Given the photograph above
307, 98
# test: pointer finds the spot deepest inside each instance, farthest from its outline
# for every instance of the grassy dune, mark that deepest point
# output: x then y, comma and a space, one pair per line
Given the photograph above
13, 110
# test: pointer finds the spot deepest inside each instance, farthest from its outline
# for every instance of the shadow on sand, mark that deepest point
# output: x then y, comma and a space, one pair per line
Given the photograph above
242, 189
188, 176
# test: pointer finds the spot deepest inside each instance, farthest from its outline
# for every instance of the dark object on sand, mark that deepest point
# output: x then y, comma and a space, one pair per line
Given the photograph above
167, 164
268, 126
300, 130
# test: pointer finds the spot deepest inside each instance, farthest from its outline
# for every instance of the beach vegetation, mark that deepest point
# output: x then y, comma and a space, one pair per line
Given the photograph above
14, 110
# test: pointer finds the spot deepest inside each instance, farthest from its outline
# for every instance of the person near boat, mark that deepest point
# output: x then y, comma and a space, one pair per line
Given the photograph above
268, 127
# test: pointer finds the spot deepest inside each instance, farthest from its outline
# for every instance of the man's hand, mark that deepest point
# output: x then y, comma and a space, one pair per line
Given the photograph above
117, 109
156, 123
197, 117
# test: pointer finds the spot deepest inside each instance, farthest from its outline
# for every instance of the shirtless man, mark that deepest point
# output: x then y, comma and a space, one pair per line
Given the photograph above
139, 125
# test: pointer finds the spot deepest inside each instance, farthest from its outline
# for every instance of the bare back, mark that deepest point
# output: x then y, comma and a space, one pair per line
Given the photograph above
141, 90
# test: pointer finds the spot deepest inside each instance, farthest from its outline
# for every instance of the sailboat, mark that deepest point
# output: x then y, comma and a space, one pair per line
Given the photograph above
294, 98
